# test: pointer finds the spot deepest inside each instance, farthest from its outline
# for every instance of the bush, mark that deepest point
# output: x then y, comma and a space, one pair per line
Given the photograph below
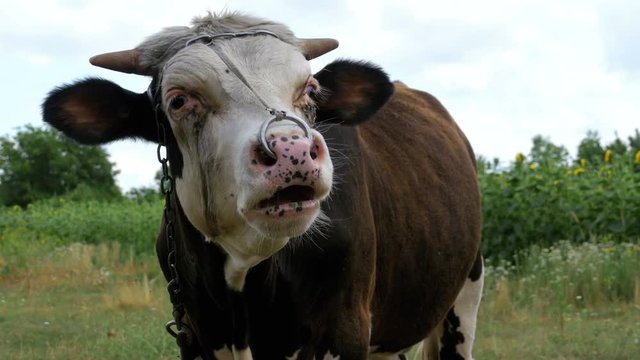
40, 163
569, 275
59, 221
545, 200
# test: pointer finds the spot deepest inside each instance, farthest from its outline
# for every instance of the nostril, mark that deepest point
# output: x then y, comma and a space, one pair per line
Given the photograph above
313, 153
263, 158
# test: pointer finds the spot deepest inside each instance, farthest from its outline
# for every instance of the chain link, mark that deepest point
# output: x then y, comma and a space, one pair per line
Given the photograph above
183, 334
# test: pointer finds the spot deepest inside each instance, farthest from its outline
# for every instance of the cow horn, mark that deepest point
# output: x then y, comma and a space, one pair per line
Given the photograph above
312, 48
126, 61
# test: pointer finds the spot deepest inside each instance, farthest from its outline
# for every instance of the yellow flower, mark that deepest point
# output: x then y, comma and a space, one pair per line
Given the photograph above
578, 171
533, 167
607, 156
637, 158
519, 158
583, 163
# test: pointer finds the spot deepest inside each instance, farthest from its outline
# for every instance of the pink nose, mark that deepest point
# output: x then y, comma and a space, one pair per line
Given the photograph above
297, 159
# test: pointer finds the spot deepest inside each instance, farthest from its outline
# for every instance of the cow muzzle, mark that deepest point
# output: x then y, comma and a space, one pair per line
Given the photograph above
279, 116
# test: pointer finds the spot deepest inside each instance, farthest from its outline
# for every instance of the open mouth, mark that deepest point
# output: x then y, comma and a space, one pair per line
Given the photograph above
291, 194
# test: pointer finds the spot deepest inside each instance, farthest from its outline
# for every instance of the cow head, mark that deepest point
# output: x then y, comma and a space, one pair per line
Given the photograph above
212, 92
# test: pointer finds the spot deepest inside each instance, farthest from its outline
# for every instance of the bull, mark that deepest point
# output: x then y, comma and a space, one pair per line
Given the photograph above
312, 216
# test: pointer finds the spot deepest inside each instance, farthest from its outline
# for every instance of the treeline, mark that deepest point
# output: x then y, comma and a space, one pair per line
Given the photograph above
41, 163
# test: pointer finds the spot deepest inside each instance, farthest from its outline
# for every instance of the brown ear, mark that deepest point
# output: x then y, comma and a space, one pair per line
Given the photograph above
96, 111
352, 92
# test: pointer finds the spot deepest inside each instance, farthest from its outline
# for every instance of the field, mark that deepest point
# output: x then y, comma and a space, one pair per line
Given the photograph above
94, 302
562, 271
84, 302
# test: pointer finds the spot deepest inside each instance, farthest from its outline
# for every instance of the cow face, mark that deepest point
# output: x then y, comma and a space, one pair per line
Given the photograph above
213, 99
228, 184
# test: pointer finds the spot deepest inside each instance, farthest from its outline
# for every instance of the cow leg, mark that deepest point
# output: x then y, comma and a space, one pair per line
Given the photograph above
453, 338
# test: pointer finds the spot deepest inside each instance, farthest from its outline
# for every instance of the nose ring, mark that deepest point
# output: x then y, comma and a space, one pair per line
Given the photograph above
279, 116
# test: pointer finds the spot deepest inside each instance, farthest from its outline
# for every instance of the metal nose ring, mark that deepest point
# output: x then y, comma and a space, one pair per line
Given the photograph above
262, 137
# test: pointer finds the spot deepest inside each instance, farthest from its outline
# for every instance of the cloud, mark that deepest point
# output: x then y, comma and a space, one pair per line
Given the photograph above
621, 31
506, 70
136, 161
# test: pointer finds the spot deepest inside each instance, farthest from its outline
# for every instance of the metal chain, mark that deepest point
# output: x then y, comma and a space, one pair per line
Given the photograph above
184, 334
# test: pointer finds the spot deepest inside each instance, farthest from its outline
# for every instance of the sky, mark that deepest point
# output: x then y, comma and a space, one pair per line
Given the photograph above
506, 70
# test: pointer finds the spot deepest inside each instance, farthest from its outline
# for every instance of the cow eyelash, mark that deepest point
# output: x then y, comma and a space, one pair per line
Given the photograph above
311, 87
177, 102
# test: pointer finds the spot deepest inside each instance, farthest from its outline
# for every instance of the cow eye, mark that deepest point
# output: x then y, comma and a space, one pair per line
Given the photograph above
177, 102
310, 89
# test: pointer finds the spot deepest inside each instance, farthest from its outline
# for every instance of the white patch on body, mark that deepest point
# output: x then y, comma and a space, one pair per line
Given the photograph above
327, 356
223, 354
466, 308
294, 356
330, 356
233, 354
245, 251
243, 354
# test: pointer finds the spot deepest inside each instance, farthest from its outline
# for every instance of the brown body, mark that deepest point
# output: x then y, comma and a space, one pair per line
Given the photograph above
416, 217
425, 206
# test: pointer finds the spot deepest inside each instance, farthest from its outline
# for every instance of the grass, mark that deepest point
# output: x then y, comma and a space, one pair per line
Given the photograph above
605, 332
84, 302
93, 302
567, 301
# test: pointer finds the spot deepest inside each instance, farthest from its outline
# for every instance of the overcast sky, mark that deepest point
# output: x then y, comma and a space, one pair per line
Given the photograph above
506, 70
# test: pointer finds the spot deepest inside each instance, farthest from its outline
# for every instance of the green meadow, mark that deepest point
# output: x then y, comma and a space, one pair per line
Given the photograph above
86, 301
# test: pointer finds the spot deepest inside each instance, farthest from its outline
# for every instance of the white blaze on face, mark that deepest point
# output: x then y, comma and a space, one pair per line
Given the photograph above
216, 120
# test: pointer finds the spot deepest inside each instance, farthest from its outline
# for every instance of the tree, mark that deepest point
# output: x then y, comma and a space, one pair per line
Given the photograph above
38, 163
618, 146
634, 142
590, 148
544, 152
147, 193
